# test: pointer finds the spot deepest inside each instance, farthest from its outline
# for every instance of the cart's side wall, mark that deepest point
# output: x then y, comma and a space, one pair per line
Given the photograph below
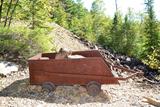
31, 72
93, 53
87, 66
71, 79
55, 70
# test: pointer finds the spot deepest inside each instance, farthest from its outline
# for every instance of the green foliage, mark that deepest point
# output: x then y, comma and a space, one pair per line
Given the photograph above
60, 16
87, 28
152, 42
36, 12
101, 28
18, 44
128, 34
97, 7
72, 15
76, 27
151, 29
139, 37
153, 59
100, 22
115, 33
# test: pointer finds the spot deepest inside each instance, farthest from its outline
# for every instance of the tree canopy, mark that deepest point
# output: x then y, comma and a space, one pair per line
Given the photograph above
123, 34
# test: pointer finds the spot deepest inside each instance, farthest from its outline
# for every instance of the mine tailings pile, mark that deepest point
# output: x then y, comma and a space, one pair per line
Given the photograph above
125, 61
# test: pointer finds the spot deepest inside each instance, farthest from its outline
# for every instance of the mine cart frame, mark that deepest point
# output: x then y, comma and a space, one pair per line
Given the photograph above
91, 71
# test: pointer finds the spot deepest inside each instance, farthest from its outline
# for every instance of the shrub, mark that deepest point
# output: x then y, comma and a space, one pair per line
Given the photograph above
18, 44
153, 59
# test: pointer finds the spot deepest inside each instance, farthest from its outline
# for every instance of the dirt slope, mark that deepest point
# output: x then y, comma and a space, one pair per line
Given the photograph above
65, 39
15, 90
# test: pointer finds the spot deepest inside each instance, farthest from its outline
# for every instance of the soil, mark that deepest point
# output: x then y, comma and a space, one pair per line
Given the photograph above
65, 39
17, 92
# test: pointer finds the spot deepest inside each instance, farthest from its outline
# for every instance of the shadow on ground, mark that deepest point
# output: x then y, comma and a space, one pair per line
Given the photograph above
63, 94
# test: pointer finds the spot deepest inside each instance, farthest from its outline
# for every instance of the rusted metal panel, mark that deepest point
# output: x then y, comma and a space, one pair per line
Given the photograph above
86, 66
70, 79
89, 53
71, 71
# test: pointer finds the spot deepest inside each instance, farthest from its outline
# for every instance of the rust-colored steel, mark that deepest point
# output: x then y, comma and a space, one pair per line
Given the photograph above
45, 68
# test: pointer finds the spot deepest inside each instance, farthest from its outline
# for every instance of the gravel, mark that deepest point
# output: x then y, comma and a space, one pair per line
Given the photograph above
15, 91
65, 39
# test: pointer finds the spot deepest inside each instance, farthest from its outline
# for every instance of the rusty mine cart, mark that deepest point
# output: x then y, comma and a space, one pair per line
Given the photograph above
91, 71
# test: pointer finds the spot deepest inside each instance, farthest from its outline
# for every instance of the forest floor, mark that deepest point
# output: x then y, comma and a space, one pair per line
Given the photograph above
15, 90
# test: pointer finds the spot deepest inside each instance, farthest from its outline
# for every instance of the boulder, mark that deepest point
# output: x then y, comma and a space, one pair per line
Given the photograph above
7, 67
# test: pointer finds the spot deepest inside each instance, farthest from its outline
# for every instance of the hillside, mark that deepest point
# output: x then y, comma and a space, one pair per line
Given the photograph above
15, 90
65, 39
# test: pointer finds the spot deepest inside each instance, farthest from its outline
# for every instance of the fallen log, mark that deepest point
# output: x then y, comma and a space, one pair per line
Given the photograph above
152, 101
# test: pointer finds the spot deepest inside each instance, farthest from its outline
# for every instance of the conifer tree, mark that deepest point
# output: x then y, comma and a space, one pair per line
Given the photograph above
151, 29
115, 33
128, 34
152, 43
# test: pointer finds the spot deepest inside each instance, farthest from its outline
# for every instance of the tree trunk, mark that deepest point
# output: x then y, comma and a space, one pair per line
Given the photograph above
13, 10
6, 19
116, 5
33, 14
1, 9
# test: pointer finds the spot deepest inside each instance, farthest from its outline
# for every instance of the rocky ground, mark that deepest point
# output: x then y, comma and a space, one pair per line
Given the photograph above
15, 90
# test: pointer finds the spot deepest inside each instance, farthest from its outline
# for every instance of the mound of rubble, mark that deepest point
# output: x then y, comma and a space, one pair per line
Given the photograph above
131, 63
